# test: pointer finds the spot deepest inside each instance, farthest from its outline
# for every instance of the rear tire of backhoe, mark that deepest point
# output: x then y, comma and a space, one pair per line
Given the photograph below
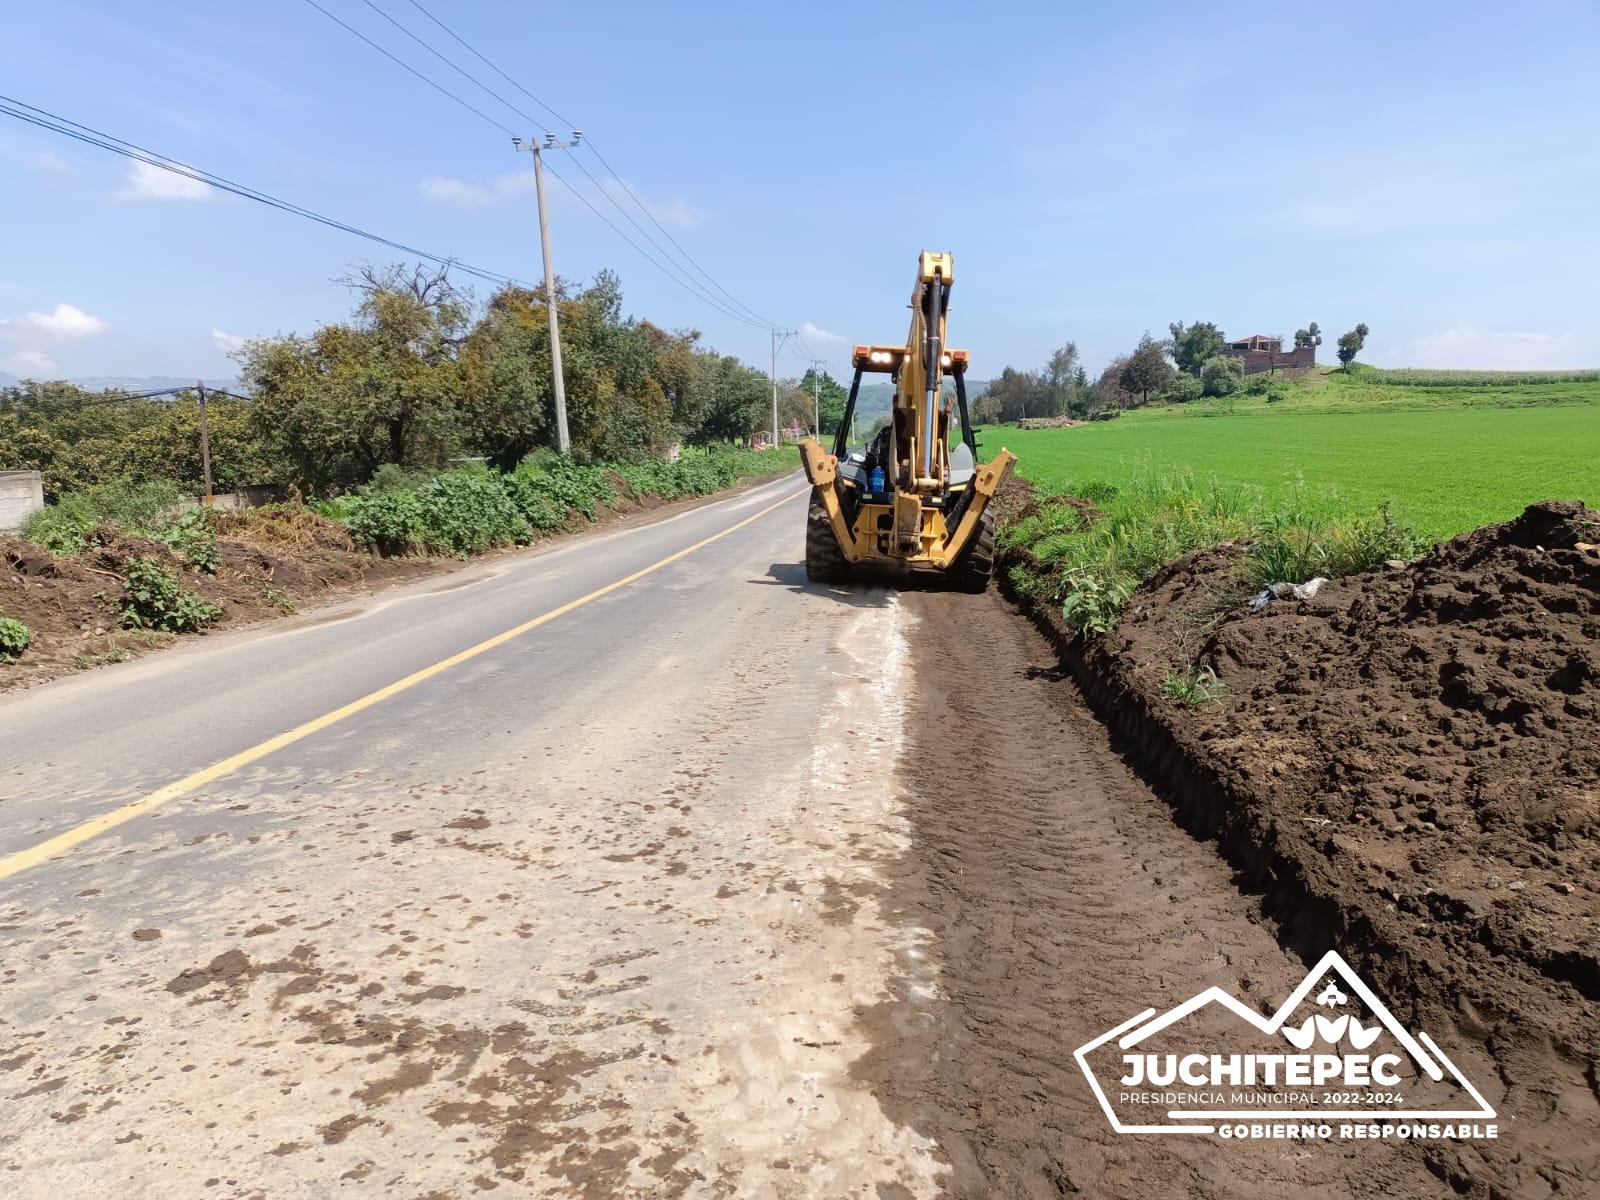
825, 561
973, 570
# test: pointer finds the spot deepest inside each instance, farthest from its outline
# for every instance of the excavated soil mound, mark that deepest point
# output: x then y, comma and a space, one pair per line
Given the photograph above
1407, 766
1434, 731
269, 567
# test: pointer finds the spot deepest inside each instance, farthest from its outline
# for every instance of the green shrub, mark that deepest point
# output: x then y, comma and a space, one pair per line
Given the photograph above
1194, 687
62, 528
566, 485
390, 522
153, 599
467, 510
536, 502
1186, 388
1292, 547
1222, 375
138, 506
392, 477
337, 509
14, 638
192, 535
1093, 601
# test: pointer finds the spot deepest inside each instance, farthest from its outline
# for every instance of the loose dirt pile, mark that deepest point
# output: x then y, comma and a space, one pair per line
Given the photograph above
1408, 766
272, 562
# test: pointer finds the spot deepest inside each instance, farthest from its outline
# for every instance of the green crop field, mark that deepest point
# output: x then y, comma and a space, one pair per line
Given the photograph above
1446, 457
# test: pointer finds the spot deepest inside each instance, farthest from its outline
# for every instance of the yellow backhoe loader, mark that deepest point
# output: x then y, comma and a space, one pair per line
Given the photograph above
908, 501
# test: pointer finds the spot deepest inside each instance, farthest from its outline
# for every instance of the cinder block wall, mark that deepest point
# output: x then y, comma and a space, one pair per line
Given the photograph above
21, 492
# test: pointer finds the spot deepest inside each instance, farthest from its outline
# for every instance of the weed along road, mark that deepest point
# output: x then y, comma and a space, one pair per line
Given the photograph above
637, 867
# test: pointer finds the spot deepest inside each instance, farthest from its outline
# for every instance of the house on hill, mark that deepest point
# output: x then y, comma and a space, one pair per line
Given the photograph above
1263, 352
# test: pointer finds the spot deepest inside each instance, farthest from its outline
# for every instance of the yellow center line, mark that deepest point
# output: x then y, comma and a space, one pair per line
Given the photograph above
16, 863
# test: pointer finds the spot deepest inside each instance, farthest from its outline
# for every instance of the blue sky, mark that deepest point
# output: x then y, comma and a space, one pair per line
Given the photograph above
1097, 169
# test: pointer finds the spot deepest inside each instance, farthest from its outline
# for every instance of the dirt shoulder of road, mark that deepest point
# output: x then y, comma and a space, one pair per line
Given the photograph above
276, 562
1405, 769
1061, 899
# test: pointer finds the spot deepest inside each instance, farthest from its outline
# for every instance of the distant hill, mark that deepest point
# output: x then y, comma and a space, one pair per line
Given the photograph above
875, 399
130, 383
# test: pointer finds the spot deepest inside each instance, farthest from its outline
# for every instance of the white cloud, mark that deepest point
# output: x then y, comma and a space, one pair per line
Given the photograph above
29, 363
32, 332
67, 322
147, 182
1468, 347
445, 190
675, 211
813, 332
228, 343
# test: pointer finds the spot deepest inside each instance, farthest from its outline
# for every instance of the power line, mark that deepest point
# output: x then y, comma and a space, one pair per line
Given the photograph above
645, 209
97, 401
471, 50
396, 59
55, 123
670, 268
722, 306
459, 70
646, 255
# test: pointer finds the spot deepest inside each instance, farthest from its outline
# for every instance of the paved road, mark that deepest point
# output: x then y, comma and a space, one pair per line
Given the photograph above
580, 914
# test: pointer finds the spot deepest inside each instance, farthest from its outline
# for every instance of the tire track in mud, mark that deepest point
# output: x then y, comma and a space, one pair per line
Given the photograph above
1062, 899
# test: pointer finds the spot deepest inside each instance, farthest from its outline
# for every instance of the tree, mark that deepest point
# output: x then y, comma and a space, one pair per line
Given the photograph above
1351, 344
1309, 336
831, 397
1194, 345
985, 410
1147, 369
1016, 395
1222, 375
1109, 391
1061, 384
335, 406
737, 401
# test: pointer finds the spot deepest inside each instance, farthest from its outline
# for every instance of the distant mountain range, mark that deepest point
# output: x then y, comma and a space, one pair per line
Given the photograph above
131, 383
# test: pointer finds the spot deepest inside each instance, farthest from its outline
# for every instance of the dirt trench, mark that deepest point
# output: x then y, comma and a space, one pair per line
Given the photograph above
1063, 899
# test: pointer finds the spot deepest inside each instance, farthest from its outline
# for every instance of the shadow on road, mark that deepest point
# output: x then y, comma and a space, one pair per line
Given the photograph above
863, 594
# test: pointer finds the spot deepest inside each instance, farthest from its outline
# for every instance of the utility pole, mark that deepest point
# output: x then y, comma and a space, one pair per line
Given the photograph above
779, 336
563, 439
816, 395
205, 439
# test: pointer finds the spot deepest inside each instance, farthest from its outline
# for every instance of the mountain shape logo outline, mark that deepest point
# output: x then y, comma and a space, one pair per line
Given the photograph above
1431, 1060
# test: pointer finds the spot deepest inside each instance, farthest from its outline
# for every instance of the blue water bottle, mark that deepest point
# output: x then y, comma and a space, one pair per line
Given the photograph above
878, 481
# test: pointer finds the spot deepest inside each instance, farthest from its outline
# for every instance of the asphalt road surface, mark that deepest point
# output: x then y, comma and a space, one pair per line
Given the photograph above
636, 866
572, 913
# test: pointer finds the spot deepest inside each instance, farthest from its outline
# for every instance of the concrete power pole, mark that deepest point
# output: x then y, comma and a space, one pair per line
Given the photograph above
816, 395
205, 438
779, 336
563, 439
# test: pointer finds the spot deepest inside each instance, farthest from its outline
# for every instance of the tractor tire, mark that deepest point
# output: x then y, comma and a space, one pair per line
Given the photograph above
825, 561
973, 570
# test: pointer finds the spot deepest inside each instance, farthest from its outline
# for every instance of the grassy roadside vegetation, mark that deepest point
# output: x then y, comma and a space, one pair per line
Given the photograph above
457, 512
368, 420
1326, 476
